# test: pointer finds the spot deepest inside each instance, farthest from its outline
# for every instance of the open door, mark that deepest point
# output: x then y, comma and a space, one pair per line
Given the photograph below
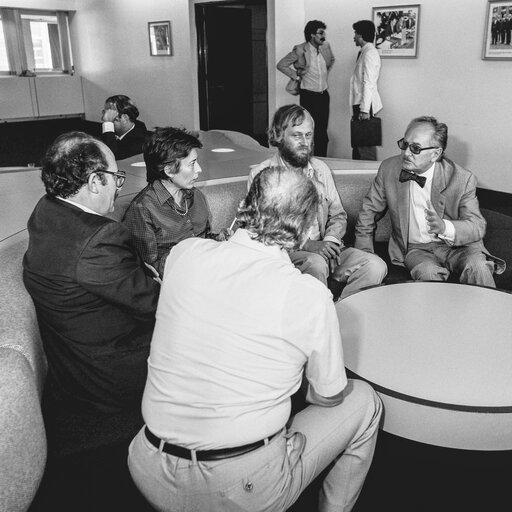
230, 41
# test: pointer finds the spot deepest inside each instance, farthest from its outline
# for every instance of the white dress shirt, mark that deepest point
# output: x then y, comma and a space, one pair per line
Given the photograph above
237, 325
418, 203
316, 77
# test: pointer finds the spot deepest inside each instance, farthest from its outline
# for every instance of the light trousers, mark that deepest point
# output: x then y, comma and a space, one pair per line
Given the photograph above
271, 478
356, 268
435, 261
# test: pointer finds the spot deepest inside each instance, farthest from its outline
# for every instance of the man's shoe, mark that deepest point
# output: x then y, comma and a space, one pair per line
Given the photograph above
336, 287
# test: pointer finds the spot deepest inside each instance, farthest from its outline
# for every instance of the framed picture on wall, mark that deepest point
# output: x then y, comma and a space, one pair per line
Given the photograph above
160, 43
498, 29
397, 30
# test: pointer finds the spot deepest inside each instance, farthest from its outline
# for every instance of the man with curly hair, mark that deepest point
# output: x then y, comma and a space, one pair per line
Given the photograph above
95, 304
237, 327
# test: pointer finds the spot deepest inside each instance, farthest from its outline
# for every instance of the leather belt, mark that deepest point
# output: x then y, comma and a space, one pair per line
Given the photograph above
223, 453
314, 92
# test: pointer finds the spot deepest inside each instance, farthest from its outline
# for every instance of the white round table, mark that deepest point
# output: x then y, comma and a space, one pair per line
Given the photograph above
440, 357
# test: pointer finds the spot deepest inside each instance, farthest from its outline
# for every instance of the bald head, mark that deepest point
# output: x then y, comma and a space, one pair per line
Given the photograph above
279, 208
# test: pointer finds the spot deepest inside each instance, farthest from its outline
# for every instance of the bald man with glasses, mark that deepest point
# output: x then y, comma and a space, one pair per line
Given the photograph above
437, 226
94, 301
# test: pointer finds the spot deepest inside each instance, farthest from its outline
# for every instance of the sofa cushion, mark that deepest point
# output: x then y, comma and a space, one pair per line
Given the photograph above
18, 323
22, 434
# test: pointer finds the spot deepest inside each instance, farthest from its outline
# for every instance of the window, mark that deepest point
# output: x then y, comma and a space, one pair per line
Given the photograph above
4, 61
34, 42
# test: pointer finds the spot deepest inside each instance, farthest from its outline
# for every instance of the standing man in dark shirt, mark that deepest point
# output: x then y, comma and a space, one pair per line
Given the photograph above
95, 305
122, 132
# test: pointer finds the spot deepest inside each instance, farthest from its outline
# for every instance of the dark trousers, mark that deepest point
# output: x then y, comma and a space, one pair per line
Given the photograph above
363, 152
317, 104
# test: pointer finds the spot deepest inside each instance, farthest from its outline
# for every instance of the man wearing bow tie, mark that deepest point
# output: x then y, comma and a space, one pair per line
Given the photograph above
437, 227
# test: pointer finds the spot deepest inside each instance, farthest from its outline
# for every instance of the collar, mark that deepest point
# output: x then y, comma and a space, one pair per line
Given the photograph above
120, 137
78, 205
309, 170
429, 173
312, 49
176, 192
243, 237
162, 193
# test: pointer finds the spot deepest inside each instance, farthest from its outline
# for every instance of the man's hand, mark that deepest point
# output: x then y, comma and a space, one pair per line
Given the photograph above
109, 115
328, 250
435, 223
364, 116
225, 234
156, 276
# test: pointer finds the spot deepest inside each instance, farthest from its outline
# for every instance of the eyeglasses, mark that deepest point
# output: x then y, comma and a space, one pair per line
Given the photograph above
416, 149
119, 175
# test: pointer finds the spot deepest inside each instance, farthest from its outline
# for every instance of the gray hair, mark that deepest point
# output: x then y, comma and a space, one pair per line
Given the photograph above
440, 136
280, 208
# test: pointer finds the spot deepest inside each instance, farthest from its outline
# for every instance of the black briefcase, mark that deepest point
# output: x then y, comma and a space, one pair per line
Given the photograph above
366, 133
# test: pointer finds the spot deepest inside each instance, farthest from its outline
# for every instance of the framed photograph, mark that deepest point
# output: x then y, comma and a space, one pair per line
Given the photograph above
397, 30
498, 27
160, 43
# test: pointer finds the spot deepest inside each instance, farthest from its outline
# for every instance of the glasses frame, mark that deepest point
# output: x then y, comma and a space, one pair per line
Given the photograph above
120, 177
414, 151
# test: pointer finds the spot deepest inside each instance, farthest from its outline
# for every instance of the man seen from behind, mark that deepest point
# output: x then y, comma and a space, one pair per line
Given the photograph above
237, 329
95, 305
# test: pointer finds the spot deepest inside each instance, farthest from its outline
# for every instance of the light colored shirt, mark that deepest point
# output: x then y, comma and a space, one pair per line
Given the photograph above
418, 227
108, 126
237, 324
315, 78
330, 202
78, 205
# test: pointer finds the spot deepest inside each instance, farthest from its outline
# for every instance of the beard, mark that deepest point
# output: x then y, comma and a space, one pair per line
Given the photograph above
296, 157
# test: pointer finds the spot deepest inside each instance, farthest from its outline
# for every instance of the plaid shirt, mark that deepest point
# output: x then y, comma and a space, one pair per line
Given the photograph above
155, 225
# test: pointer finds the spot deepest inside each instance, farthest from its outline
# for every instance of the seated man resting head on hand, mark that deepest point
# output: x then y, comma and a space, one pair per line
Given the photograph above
122, 132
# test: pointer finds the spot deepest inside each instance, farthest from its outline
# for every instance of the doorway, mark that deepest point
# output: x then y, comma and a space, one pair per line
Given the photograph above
232, 66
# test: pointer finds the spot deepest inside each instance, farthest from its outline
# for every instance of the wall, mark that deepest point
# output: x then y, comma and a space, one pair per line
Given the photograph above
112, 55
62, 5
448, 79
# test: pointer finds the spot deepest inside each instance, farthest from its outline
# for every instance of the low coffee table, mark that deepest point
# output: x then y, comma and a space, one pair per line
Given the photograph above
440, 357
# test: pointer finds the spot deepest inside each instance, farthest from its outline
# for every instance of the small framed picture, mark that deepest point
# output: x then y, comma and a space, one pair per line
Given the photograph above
160, 43
498, 28
397, 29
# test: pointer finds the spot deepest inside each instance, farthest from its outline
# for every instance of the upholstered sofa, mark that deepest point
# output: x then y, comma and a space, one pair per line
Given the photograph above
23, 445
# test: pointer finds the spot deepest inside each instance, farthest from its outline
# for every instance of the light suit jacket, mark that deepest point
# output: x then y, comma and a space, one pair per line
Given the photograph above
300, 59
363, 83
332, 217
453, 197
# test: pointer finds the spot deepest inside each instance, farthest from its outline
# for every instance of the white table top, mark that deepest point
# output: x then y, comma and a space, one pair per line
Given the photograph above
442, 346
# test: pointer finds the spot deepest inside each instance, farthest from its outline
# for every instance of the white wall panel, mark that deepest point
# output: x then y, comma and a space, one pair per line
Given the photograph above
15, 98
59, 95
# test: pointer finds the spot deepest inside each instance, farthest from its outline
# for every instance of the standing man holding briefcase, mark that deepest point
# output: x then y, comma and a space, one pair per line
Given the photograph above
364, 97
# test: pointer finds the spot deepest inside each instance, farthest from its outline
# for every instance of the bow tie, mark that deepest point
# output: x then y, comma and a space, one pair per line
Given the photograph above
412, 176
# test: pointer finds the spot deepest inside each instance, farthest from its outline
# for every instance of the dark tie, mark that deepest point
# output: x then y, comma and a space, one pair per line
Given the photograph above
406, 175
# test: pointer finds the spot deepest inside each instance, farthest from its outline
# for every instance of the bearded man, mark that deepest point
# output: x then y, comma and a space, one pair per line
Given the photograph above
324, 255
